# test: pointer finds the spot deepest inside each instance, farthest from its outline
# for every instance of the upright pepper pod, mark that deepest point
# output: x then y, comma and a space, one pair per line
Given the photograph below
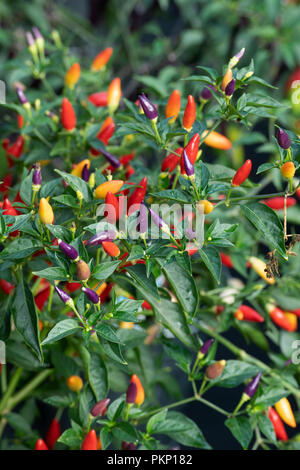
171, 161
100, 408
226, 79
53, 433
205, 348
82, 270
226, 260
277, 425
112, 206
285, 412
216, 140
236, 58
77, 170
138, 195
36, 178
188, 166
242, 173
140, 396
215, 370
111, 249
283, 139
90, 441
191, 150
131, 393
114, 94
189, 115
229, 90
173, 106
40, 445
67, 115
45, 212
148, 107
72, 76
101, 59
288, 170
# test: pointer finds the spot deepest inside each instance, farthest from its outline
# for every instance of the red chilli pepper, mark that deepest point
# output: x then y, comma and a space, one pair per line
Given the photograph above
242, 173
189, 115
279, 318
68, 117
6, 183
191, 150
90, 441
40, 445
103, 296
98, 99
295, 312
249, 314
53, 433
6, 286
277, 203
171, 161
226, 260
111, 249
138, 194
111, 200
41, 298
14, 149
8, 209
277, 425
72, 286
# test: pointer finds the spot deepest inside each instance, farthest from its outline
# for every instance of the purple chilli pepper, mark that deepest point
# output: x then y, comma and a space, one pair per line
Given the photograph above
229, 90
65, 297
159, 221
205, 348
188, 166
91, 295
236, 58
148, 107
131, 393
252, 386
283, 139
36, 177
97, 239
206, 94
21, 96
85, 174
29, 38
100, 408
68, 250
128, 446
111, 158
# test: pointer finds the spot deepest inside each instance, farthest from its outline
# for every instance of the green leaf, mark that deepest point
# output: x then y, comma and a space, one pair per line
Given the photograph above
96, 372
241, 429
183, 285
177, 195
61, 330
53, 274
265, 167
155, 420
71, 438
26, 188
125, 432
59, 231
180, 428
17, 422
77, 184
234, 373
104, 270
178, 353
18, 222
266, 427
211, 258
20, 248
138, 273
112, 350
108, 332
26, 318
270, 396
268, 224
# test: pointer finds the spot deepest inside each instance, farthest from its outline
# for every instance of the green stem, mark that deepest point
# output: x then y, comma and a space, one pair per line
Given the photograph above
34, 383
244, 198
3, 379
176, 177
154, 127
11, 388
50, 297
42, 138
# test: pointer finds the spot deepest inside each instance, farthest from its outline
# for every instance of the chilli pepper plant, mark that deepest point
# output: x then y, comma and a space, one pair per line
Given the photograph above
132, 246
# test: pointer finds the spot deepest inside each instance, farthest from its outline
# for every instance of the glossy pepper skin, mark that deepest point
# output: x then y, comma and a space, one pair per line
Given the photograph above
90, 441
242, 173
6, 286
112, 159
53, 433
188, 166
206, 205
216, 140
279, 318
113, 186
67, 115
98, 99
97, 239
138, 194
215, 370
277, 425
77, 170
114, 94
40, 445
229, 90
45, 212
131, 393
283, 139
99, 409
68, 250
140, 396
226, 260
253, 385
111, 249
226, 79
148, 107
249, 314
277, 203
91, 295
101, 59
191, 150
112, 206
72, 75
171, 161
189, 115
173, 106
206, 346
288, 170
82, 270
74, 383
285, 412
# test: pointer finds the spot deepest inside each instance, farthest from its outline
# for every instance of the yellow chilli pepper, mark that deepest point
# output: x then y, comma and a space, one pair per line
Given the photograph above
259, 267
77, 170
74, 383
112, 186
46, 212
72, 76
285, 412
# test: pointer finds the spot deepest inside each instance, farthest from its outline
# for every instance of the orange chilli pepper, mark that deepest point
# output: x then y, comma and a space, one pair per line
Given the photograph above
111, 248
114, 94
72, 75
112, 186
189, 115
226, 79
101, 59
74, 383
279, 318
173, 106
285, 412
140, 396
90, 441
68, 117
288, 170
216, 140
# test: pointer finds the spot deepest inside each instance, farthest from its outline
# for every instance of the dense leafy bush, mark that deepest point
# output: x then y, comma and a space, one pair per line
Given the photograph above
95, 308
